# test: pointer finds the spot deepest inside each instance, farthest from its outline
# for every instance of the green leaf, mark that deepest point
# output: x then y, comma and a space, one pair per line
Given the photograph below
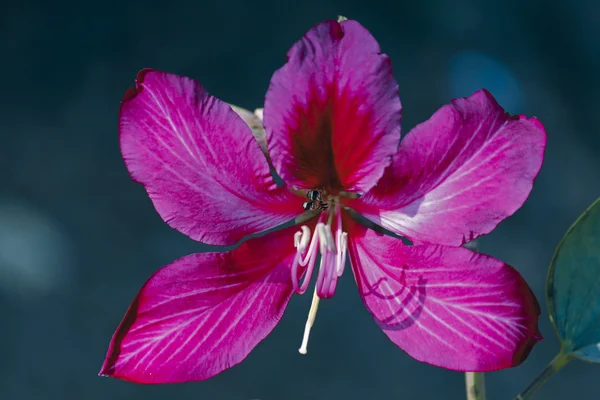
573, 287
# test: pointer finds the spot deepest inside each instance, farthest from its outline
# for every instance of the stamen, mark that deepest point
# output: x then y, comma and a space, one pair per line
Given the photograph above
326, 269
332, 285
331, 266
311, 249
303, 257
312, 314
310, 260
301, 238
340, 256
340, 260
341, 244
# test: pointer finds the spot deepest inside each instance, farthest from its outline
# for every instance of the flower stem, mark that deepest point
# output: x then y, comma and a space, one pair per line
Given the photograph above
475, 385
555, 365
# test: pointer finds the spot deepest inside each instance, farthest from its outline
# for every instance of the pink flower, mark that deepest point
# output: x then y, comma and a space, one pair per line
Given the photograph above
332, 121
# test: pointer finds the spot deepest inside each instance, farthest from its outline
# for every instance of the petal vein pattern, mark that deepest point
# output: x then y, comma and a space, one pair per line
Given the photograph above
332, 113
199, 161
459, 174
204, 313
443, 305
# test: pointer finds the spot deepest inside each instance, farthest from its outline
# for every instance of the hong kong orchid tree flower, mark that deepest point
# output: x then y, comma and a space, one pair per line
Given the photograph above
332, 122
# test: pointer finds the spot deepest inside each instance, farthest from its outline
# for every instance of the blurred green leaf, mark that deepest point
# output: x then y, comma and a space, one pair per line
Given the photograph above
573, 287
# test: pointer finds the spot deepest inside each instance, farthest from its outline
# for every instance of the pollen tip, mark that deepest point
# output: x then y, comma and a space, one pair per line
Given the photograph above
304, 346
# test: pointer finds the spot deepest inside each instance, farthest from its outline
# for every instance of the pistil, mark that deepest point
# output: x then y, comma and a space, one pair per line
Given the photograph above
312, 314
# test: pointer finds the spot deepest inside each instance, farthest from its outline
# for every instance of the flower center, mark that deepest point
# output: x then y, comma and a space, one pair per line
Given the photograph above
332, 250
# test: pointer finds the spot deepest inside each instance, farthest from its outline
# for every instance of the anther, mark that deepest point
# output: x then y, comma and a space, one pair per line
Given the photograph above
301, 239
341, 244
342, 249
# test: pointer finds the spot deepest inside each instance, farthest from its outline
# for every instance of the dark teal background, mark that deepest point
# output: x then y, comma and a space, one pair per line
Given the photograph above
78, 237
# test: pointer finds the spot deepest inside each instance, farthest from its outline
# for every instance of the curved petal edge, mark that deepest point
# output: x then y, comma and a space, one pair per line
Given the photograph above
199, 162
203, 313
332, 113
445, 306
459, 174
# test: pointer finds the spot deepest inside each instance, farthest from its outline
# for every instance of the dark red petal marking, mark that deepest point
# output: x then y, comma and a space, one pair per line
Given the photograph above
332, 113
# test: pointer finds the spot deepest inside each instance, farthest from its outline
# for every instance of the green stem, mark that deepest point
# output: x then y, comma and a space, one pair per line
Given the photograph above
555, 365
475, 385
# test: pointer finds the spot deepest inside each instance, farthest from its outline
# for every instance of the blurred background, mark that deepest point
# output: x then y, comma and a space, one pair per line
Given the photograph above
78, 237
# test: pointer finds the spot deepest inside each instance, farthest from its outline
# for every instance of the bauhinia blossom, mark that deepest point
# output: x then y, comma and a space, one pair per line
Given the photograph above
332, 123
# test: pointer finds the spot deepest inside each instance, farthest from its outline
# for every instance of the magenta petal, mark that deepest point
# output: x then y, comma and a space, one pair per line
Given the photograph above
203, 313
332, 113
199, 161
457, 175
445, 306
